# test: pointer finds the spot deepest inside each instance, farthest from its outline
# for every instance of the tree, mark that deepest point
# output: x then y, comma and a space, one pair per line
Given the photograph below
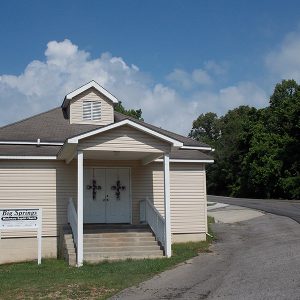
229, 135
284, 119
232, 146
272, 163
262, 164
206, 128
137, 114
257, 151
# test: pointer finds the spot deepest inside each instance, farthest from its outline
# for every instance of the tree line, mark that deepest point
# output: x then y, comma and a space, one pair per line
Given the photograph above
257, 151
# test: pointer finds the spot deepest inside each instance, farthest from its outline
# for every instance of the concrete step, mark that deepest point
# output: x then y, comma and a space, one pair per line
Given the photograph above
72, 259
69, 241
95, 261
68, 236
113, 230
72, 255
90, 256
118, 235
122, 243
71, 251
118, 239
116, 226
99, 249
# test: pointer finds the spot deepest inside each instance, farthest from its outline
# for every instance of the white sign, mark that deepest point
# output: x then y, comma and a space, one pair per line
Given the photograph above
23, 218
19, 218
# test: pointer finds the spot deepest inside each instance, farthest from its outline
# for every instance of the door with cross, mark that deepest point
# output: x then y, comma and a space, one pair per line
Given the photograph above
107, 195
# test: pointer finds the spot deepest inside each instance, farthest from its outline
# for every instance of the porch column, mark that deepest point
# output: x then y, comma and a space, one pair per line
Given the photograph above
79, 208
168, 242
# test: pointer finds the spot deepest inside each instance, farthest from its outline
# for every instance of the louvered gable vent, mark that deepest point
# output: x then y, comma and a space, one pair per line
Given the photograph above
91, 110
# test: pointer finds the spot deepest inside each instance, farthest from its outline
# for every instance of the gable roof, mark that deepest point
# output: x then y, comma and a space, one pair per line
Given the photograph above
54, 126
130, 123
187, 141
91, 84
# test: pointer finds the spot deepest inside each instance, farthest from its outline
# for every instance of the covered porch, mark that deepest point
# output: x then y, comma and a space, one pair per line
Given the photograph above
115, 182
114, 200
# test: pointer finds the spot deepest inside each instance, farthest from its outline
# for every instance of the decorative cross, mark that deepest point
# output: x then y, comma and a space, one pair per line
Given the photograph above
118, 188
95, 187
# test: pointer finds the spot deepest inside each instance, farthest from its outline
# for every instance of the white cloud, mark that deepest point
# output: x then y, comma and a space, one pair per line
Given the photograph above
187, 81
244, 93
43, 85
201, 77
198, 78
215, 68
285, 60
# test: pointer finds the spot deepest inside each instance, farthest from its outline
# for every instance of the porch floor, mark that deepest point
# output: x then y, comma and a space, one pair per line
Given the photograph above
98, 227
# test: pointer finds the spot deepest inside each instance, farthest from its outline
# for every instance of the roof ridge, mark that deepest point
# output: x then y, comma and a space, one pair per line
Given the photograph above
28, 118
168, 131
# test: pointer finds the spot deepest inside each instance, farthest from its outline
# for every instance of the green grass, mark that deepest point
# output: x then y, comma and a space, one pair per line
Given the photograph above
210, 220
54, 279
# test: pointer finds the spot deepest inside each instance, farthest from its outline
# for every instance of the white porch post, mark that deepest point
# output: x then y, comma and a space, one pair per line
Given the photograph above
168, 242
80, 208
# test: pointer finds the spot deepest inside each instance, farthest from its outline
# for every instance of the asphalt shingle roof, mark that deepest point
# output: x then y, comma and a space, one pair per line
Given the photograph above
28, 150
54, 126
185, 140
50, 126
189, 154
32, 150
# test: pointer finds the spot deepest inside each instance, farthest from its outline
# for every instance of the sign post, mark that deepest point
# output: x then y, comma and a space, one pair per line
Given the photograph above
22, 219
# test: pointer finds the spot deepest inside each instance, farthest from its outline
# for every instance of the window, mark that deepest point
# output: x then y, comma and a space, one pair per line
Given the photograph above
91, 110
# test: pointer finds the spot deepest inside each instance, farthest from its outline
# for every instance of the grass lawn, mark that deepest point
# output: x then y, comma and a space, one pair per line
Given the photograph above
54, 279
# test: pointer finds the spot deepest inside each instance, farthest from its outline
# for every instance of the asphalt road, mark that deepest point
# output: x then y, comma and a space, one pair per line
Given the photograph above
255, 259
287, 208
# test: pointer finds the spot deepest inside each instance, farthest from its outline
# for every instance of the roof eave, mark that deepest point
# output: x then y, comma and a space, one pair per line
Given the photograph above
91, 84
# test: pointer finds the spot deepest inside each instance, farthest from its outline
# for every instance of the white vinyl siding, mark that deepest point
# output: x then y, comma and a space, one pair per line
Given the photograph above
91, 110
49, 184
105, 109
38, 184
124, 138
187, 191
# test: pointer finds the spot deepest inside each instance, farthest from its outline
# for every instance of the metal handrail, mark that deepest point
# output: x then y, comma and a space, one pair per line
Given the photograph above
72, 219
155, 220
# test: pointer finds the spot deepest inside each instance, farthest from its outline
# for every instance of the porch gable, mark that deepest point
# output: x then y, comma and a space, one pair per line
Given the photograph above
124, 139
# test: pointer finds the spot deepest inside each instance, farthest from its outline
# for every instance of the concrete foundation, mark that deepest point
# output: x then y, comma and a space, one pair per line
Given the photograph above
188, 237
25, 249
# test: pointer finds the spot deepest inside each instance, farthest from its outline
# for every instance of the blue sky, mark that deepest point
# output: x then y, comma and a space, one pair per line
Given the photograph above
188, 57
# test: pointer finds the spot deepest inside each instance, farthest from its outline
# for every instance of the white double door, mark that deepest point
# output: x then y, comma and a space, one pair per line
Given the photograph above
107, 195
